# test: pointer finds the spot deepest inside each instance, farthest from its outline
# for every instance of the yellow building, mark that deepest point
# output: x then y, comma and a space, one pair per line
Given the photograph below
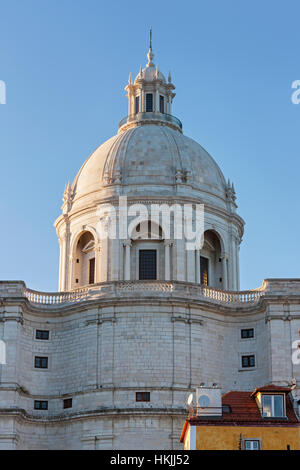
261, 420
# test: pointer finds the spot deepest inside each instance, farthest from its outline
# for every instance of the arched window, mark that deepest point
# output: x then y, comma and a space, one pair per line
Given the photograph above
84, 262
147, 252
210, 261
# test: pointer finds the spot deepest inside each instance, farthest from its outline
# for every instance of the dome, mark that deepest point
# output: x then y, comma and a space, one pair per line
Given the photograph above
149, 74
152, 163
148, 159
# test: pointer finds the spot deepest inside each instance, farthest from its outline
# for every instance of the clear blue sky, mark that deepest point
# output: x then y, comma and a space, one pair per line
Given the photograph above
65, 64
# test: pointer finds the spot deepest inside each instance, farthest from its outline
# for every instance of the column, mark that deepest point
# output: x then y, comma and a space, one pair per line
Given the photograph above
168, 105
97, 262
238, 266
130, 104
64, 243
191, 266
156, 101
127, 245
224, 272
142, 101
233, 264
198, 274
70, 278
115, 257
62, 264
179, 260
167, 245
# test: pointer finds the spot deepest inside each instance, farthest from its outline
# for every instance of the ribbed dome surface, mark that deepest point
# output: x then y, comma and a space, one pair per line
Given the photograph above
145, 157
149, 74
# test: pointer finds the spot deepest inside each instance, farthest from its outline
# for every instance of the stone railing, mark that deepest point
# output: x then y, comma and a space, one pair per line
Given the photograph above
50, 298
138, 286
241, 297
119, 288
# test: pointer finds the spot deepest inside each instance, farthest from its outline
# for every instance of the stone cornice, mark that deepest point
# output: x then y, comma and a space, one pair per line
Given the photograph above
105, 412
118, 293
169, 200
64, 310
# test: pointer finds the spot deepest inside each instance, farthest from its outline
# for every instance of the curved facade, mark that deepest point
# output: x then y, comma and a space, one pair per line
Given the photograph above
139, 321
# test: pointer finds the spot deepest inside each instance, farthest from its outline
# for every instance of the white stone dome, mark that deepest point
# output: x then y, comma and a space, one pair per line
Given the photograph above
151, 159
149, 74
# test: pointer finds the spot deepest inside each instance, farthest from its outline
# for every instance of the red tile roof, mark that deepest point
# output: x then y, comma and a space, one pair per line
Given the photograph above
244, 410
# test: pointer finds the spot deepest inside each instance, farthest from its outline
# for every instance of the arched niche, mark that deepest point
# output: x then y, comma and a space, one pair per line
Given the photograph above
211, 267
84, 260
147, 252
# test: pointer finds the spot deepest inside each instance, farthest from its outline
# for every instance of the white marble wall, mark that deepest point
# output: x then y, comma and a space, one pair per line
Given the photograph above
102, 352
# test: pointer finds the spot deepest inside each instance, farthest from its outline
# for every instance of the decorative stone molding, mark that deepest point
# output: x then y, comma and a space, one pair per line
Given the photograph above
179, 177
117, 178
67, 198
230, 192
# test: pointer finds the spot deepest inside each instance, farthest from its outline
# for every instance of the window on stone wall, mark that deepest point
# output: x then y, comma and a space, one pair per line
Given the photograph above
149, 102
40, 405
247, 333
248, 361
142, 396
68, 403
41, 362
42, 334
147, 264
92, 271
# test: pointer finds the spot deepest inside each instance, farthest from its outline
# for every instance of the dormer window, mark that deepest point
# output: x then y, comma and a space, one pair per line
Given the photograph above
149, 102
273, 406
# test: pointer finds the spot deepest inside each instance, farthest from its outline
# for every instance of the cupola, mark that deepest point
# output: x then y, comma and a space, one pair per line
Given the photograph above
150, 97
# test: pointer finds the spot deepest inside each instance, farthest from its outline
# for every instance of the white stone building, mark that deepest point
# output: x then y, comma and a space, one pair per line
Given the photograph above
109, 360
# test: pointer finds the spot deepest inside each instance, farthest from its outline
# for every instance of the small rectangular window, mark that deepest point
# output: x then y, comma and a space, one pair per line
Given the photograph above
247, 333
251, 444
42, 334
149, 102
147, 264
40, 405
137, 104
41, 362
161, 104
68, 403
92, 271
248, 361
142, 396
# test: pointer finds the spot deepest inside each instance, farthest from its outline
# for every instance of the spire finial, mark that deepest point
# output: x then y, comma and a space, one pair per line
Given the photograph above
150, 54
